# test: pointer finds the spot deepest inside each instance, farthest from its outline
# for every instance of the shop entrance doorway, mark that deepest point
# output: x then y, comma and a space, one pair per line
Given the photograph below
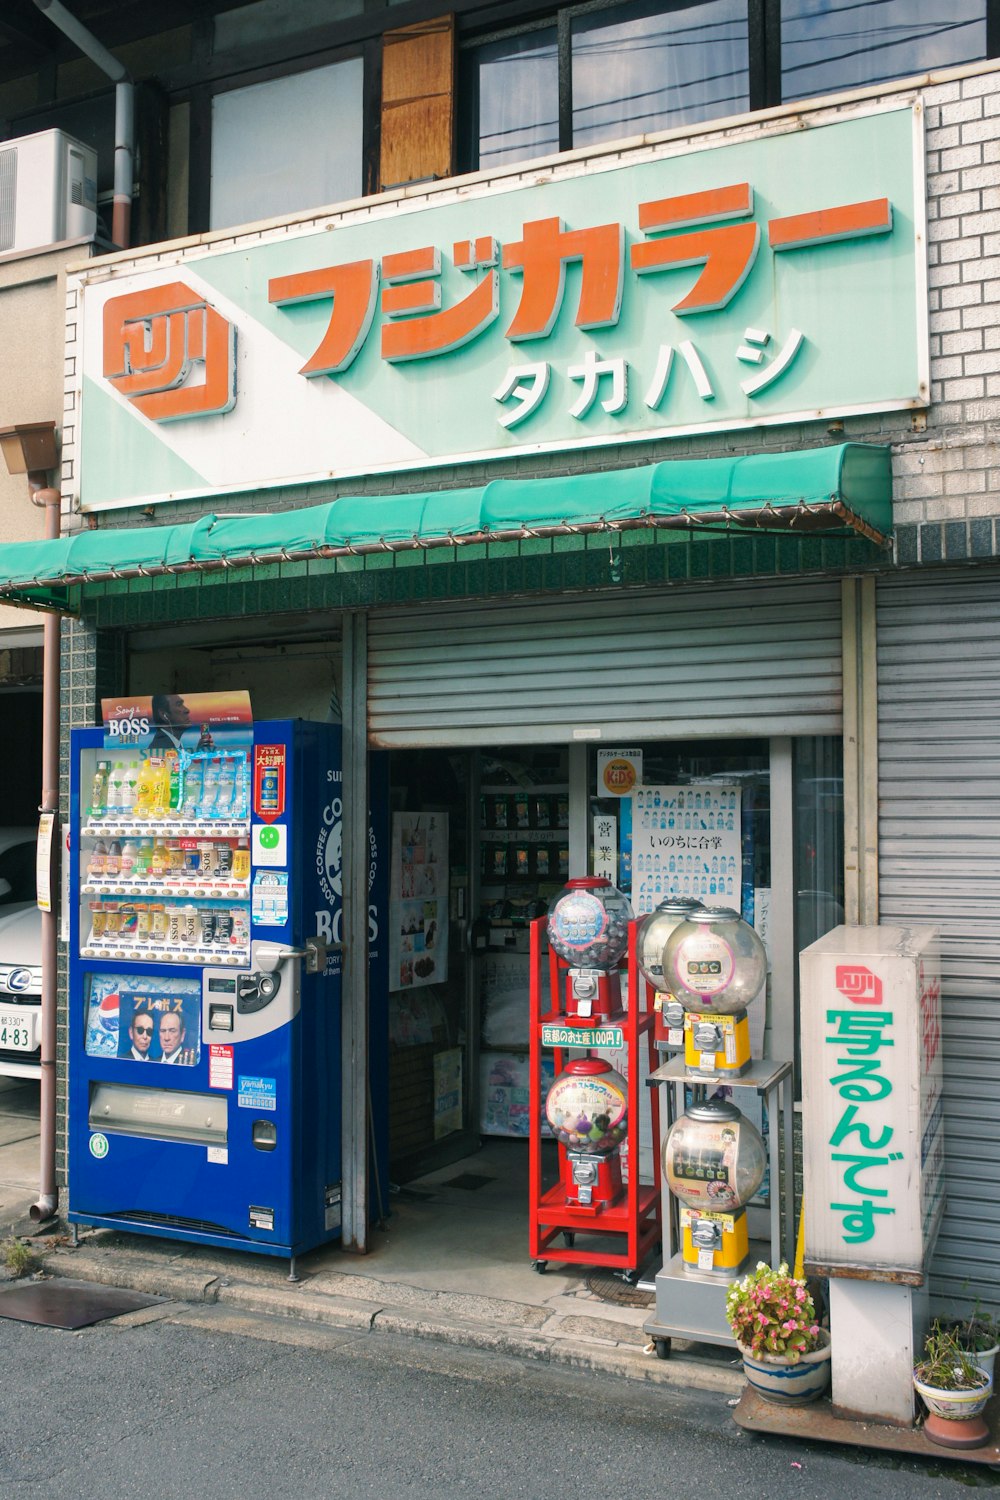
509, 820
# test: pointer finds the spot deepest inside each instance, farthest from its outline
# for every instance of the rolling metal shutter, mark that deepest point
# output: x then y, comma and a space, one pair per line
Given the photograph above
758, 659
939, 836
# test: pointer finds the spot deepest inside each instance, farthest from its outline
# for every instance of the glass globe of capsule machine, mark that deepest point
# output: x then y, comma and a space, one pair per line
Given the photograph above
715, 964
668, 1024
714, 1161
586, 1108
588, 928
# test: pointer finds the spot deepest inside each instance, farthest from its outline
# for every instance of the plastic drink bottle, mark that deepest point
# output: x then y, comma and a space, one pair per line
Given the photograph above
239, 808
172, 762
227, 788
145, 783
113, 861
99, 788
241, 861
161, 788
98, 860
194, 777
129, 858
210, 789
158, 862
116, 785
129, 784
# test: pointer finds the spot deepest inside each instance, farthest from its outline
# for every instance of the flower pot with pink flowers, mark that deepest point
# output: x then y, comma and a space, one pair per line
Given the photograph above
786, 1354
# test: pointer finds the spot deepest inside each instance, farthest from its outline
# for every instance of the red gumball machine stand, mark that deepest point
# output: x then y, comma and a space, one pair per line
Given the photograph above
620, 1226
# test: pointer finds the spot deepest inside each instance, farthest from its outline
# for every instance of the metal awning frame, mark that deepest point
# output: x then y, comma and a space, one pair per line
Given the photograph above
828, 515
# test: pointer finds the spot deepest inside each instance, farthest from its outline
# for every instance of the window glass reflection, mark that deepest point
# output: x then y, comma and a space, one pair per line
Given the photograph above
516, 82
645, 67
827, 45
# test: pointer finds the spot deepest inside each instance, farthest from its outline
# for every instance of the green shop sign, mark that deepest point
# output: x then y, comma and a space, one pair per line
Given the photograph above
770, 278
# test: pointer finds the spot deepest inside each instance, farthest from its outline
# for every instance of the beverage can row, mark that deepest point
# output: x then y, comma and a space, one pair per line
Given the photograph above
158, 924
170, 859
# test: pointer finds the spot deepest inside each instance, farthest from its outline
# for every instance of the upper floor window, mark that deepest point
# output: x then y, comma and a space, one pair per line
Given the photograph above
289, 144
626, 69
599, 72
643, 66
513, 101
830, 45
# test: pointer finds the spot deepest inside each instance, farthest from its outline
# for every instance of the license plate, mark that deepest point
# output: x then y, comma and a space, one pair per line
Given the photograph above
17, 1031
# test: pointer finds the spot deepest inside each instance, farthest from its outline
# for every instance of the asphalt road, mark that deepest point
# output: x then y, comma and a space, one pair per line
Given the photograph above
204, 1404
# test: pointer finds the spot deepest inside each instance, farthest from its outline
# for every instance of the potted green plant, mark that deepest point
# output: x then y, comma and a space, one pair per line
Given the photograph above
953, 1388
979, 1336
786, 1354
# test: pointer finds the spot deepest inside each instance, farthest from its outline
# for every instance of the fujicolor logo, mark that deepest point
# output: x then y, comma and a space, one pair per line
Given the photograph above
858, 984
171, 354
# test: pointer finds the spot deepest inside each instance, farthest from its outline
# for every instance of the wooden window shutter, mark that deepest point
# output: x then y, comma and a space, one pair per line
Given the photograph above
418, 102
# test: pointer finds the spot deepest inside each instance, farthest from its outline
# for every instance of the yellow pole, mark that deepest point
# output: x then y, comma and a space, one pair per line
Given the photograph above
800, 1241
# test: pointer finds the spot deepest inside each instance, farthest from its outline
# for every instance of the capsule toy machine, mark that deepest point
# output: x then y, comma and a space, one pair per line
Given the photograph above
205, 1017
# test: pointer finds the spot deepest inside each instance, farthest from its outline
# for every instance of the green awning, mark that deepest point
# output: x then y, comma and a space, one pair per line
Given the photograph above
842, 488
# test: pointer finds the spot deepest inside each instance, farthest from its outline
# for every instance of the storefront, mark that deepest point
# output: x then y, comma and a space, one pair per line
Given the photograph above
505, 482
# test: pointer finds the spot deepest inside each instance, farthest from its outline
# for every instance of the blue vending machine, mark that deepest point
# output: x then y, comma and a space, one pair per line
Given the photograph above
205, 1016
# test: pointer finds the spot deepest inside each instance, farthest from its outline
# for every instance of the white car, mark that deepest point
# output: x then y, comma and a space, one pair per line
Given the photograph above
20, 957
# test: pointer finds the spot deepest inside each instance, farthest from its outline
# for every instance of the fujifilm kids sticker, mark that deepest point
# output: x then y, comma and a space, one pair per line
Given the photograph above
99, 1145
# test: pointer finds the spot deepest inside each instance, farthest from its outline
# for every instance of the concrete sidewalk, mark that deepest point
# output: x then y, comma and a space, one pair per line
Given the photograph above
451, 1265
19, 1175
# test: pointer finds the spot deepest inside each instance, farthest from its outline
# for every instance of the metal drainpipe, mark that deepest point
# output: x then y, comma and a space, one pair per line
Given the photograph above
48, 1192
121, 223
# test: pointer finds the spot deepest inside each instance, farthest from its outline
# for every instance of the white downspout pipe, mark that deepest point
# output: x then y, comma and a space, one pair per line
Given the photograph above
121, 223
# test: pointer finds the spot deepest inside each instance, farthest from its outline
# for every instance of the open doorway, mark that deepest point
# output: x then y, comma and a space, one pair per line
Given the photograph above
459, 1042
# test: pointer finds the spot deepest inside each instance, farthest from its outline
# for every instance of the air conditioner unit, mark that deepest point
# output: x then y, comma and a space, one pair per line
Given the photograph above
48, 191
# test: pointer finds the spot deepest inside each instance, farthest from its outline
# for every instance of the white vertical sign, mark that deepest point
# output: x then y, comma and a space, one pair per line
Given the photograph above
605, 832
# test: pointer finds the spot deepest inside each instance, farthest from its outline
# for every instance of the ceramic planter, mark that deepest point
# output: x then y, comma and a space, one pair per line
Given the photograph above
953, 1406
777, 1379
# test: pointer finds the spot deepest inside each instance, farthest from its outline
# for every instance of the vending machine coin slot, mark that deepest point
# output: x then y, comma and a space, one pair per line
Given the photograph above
255, 991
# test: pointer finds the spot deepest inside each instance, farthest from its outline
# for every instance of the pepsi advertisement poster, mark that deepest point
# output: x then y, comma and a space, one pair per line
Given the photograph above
142, 1019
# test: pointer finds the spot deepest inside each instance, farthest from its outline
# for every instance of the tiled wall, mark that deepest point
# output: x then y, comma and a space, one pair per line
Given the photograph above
92, 667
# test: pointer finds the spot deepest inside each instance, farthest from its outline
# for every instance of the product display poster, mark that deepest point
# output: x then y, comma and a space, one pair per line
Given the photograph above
504, 1093
139, 1019
447, 1092
505, 999
686, 842
418, 900
178, 721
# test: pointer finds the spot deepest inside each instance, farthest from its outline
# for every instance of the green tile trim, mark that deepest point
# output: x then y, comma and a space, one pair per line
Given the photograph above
483, 571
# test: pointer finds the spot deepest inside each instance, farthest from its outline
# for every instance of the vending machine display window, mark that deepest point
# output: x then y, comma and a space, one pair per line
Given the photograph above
165, 856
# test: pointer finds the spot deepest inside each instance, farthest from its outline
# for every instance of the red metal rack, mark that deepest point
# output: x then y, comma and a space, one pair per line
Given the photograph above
632, 1222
